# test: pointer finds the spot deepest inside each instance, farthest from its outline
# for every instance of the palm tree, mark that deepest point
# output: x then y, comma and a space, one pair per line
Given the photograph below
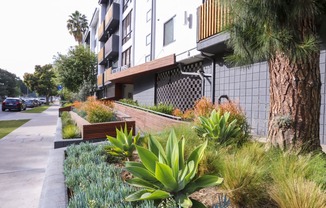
77, 24
283, 33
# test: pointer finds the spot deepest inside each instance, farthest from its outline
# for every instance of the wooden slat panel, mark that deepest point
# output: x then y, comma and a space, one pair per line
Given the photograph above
213, 17
101, 130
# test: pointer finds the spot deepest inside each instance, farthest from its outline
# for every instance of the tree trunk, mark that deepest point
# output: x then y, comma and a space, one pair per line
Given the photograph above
294, 102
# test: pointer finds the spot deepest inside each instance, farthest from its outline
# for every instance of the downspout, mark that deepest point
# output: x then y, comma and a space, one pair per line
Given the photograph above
199, 73
213, 76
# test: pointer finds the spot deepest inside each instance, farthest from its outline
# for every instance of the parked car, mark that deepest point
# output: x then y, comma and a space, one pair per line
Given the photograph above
43, 100
13, 104
29, 103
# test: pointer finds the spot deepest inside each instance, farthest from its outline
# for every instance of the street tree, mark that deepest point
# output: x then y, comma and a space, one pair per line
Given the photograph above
285, 34
77, 24
42, 81
77, 69
8, 84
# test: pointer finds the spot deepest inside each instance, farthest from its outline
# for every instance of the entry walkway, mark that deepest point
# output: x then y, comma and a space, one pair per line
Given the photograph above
24, 155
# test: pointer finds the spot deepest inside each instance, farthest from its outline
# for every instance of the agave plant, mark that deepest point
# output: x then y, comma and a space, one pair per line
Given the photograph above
218, 127
124, 143
166, 173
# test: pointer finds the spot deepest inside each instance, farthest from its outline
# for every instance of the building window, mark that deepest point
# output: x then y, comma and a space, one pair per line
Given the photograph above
148, 39
148, 15
126, 4
147, 58
126, 57
168, 32
126, 28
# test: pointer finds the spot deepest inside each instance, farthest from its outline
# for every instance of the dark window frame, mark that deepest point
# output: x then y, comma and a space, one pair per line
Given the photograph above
166, 40
126, 28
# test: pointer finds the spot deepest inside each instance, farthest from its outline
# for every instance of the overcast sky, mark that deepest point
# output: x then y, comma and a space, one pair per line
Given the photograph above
33, 31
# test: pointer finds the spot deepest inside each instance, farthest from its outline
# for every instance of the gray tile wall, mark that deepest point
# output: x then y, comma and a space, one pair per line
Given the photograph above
250, 88
323, 97
144, 90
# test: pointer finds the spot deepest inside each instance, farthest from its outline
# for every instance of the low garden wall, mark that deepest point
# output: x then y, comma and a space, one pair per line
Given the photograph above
146, 121
100, 130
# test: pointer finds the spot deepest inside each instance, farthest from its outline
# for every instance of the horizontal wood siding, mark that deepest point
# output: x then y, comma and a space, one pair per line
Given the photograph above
68, 108
101, 130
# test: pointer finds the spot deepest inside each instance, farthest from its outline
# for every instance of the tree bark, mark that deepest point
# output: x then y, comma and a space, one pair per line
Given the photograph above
294, 102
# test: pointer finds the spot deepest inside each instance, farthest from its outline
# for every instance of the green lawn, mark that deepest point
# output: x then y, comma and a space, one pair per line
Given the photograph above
8, 126
38, 109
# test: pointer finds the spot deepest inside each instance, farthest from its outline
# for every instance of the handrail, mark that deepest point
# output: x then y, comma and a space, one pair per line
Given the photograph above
151, 111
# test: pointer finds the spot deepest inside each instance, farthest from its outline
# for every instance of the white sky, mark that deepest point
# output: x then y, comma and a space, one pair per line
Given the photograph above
33, 31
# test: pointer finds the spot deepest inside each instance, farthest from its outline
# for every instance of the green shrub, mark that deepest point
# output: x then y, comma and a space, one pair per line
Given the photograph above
70, 131
165, 174
94, 183
219, 128
123, 145
69, 128
99, 114
245, 174
129, 101
300, 179
162, 108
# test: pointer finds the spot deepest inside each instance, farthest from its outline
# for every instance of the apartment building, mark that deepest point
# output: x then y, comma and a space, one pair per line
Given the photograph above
172, 52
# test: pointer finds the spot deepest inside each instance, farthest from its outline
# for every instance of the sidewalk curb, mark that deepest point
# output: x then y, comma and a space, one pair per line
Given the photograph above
54, 190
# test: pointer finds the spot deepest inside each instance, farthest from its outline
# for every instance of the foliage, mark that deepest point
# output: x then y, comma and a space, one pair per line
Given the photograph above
162, 108
236, 114
259, 31
124, 143
177, 112
245, 175
95, 111
8, 84
94, 183
223, 201
166, 173
298, 192
219, 128
76, 70
129, 101
77, 25
8, 126
203, 107
69, 128
42, 81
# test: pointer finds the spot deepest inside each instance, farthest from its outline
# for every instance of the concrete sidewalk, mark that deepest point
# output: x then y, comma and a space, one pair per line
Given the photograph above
24, 155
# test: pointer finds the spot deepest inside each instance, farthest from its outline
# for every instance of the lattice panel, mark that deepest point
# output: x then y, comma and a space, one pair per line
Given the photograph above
179, 90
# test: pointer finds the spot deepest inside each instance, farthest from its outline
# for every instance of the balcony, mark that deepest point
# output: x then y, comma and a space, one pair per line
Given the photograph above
100, 57
100, 80
112, 18
112, 47
213, 18
102, 36
107, 74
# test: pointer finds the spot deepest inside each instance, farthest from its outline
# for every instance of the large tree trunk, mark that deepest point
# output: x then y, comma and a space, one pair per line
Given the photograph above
294, 102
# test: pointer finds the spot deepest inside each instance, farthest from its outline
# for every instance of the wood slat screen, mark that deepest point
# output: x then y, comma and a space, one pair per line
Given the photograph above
100, 80
213, 17
100, 30
107, 73
100, 55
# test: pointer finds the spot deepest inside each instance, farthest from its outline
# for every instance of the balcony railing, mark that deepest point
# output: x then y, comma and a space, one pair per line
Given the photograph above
100, 57
112, 47
101, 32
213, 17
100, 80
112, 17
107, 73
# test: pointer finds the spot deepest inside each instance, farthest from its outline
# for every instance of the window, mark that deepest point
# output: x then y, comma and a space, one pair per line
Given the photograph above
126, 29
126, 57
126, 4
148, 39
168, 32
148, 15
147, 58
